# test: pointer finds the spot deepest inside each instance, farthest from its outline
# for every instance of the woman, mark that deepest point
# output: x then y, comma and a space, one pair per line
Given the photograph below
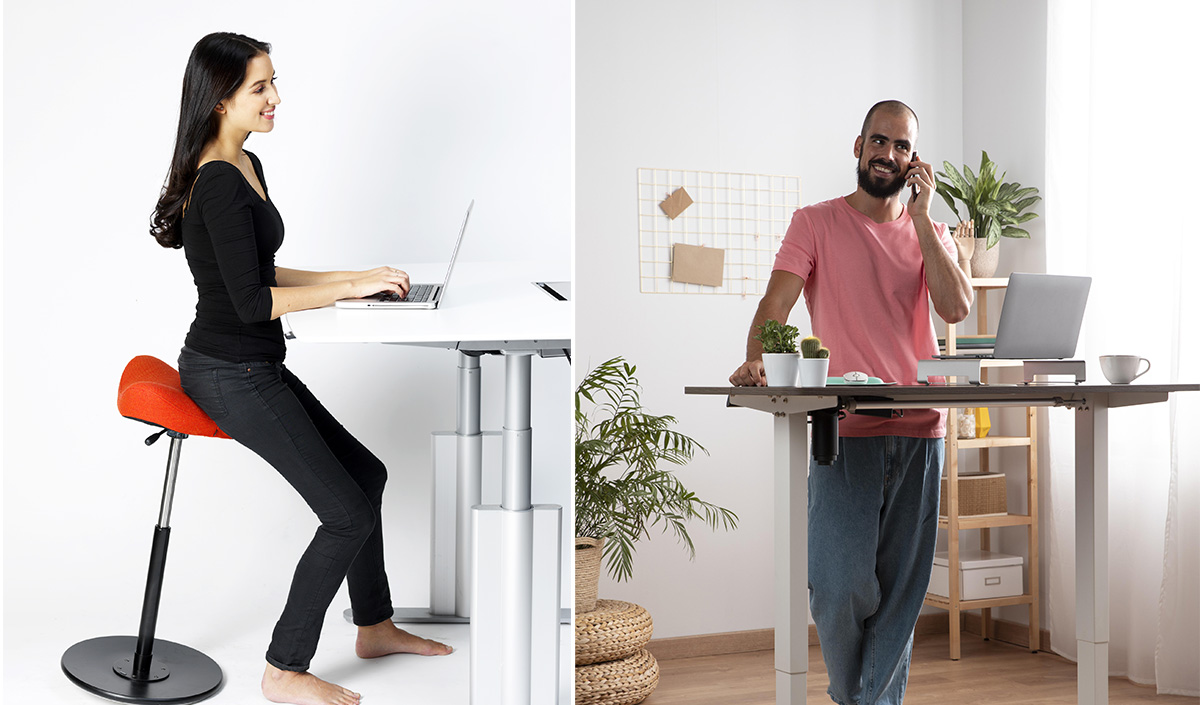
216, 206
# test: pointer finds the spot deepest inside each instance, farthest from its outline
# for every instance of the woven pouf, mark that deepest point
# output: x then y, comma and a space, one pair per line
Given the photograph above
622, 682
612, 631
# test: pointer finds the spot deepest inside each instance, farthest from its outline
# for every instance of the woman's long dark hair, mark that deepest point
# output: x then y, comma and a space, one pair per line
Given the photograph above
215, 70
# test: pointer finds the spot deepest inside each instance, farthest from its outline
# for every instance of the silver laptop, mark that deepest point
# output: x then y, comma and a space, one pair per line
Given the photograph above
1040, 319
420, 296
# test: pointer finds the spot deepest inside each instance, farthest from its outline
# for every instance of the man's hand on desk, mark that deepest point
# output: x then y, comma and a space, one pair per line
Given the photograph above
750, 374
374, 281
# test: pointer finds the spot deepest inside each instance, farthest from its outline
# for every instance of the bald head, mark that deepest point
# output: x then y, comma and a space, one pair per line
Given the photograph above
890, 107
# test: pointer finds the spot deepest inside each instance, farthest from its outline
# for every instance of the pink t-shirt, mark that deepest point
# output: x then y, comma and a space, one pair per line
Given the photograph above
864, 284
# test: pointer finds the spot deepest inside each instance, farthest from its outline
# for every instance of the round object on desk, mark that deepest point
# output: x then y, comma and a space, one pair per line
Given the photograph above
624, 682
614, 630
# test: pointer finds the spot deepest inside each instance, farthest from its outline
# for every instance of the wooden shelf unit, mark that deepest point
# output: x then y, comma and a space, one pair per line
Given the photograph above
954, 523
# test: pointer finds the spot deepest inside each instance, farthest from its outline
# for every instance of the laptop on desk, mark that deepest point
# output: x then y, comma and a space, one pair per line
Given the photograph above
1040, 319
420, 296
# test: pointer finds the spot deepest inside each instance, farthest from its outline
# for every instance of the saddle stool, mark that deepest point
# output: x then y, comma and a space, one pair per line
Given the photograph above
143, 669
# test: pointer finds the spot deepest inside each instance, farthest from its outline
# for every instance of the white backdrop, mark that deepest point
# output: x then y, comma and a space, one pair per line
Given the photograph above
394, 116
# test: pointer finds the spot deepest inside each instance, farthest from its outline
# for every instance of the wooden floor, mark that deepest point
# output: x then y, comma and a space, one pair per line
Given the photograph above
989, 672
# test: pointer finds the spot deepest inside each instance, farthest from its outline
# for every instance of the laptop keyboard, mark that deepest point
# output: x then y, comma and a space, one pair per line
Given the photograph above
419, 293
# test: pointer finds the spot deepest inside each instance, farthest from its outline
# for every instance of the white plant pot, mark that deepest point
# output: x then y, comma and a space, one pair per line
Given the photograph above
984, 261
781, 369
814, 371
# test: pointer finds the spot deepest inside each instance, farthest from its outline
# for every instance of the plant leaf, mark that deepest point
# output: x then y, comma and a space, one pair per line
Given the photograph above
946, 194
955, 178
1014, 232
1025, 203
993, 234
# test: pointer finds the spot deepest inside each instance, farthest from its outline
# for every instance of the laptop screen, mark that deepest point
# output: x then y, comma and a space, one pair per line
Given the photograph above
457, 244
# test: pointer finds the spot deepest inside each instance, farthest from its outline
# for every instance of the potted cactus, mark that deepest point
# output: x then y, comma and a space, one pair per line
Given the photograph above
780, 360
814, 365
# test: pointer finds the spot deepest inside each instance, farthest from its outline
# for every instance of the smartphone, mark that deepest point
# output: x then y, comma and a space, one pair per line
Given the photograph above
914, 186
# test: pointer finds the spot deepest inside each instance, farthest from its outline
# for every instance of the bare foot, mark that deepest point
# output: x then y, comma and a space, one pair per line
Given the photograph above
302, 688
386, 638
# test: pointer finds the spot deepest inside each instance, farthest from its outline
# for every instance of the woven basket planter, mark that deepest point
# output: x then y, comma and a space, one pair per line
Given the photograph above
622, 682
614, 630
588, 552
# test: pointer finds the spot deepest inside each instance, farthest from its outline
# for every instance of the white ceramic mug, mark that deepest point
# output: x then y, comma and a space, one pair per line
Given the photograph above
1122, 369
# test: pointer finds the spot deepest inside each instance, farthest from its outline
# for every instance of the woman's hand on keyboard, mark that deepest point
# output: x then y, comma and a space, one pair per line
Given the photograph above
374, 281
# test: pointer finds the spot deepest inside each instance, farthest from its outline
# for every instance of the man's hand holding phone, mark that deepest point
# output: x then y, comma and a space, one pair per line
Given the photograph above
920, 180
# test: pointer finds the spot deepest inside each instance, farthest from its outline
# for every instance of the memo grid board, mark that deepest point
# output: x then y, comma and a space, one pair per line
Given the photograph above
744, 214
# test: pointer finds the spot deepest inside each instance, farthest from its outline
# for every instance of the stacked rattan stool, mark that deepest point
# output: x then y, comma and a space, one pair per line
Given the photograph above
612, 665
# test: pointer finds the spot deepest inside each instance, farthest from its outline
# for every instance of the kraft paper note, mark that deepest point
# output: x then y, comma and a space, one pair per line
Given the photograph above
697, 265
676, 203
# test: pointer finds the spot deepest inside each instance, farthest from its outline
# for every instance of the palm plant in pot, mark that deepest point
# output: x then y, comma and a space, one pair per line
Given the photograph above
994, 206
620, 490
781, 362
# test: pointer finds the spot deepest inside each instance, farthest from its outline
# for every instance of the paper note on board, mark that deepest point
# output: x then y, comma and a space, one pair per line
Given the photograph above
697, 265
676, 203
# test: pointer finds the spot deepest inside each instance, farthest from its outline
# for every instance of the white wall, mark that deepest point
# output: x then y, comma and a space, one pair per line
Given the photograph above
765, 87
394, 115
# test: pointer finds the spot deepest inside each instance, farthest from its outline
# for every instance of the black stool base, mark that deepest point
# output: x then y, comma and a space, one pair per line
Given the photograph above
191, 676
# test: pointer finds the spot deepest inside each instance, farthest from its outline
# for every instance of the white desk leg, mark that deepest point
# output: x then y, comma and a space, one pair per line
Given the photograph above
1091, 550
791, 559
511, 630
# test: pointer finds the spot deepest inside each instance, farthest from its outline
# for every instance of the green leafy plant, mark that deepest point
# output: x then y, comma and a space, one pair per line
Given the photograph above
620, 491
810, 348
995, 206
777, 337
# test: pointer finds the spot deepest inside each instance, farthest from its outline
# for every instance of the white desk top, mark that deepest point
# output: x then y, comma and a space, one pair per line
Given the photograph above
489, 306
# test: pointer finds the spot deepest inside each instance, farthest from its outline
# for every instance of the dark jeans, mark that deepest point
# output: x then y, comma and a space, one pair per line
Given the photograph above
266, 408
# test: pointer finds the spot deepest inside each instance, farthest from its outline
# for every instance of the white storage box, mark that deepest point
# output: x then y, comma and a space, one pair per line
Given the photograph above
982, 575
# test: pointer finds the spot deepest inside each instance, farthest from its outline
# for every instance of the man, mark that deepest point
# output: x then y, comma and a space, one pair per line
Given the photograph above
868, 265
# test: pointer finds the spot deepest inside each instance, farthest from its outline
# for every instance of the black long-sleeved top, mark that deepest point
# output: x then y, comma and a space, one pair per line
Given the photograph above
230, 236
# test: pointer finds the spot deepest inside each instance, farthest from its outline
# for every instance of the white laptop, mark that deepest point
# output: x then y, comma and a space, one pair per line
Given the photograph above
1040, 319
420, 296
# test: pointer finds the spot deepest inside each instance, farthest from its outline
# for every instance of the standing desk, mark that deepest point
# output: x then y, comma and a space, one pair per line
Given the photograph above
490, 308
790, 407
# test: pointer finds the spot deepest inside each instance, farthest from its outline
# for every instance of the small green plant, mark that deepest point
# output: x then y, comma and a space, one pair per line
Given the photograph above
620, 492
995, 206
777, 337
810, 348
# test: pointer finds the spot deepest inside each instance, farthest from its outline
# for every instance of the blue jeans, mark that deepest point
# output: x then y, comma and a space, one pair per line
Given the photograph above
872, 526
263, 406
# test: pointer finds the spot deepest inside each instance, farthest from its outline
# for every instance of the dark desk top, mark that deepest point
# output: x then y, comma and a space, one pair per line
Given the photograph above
963, 394
1047, 390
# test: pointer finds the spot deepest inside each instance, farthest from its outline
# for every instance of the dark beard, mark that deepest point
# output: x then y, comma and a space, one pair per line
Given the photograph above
878, 189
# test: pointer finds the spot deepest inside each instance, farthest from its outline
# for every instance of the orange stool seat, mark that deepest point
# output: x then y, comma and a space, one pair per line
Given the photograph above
150, 392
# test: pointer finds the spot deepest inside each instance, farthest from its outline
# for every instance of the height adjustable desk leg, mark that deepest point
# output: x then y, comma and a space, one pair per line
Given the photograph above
791, 558
506, 625
1091, 550
469, 465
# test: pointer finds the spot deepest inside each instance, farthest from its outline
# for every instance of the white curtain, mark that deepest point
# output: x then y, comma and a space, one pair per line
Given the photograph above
1123, 187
